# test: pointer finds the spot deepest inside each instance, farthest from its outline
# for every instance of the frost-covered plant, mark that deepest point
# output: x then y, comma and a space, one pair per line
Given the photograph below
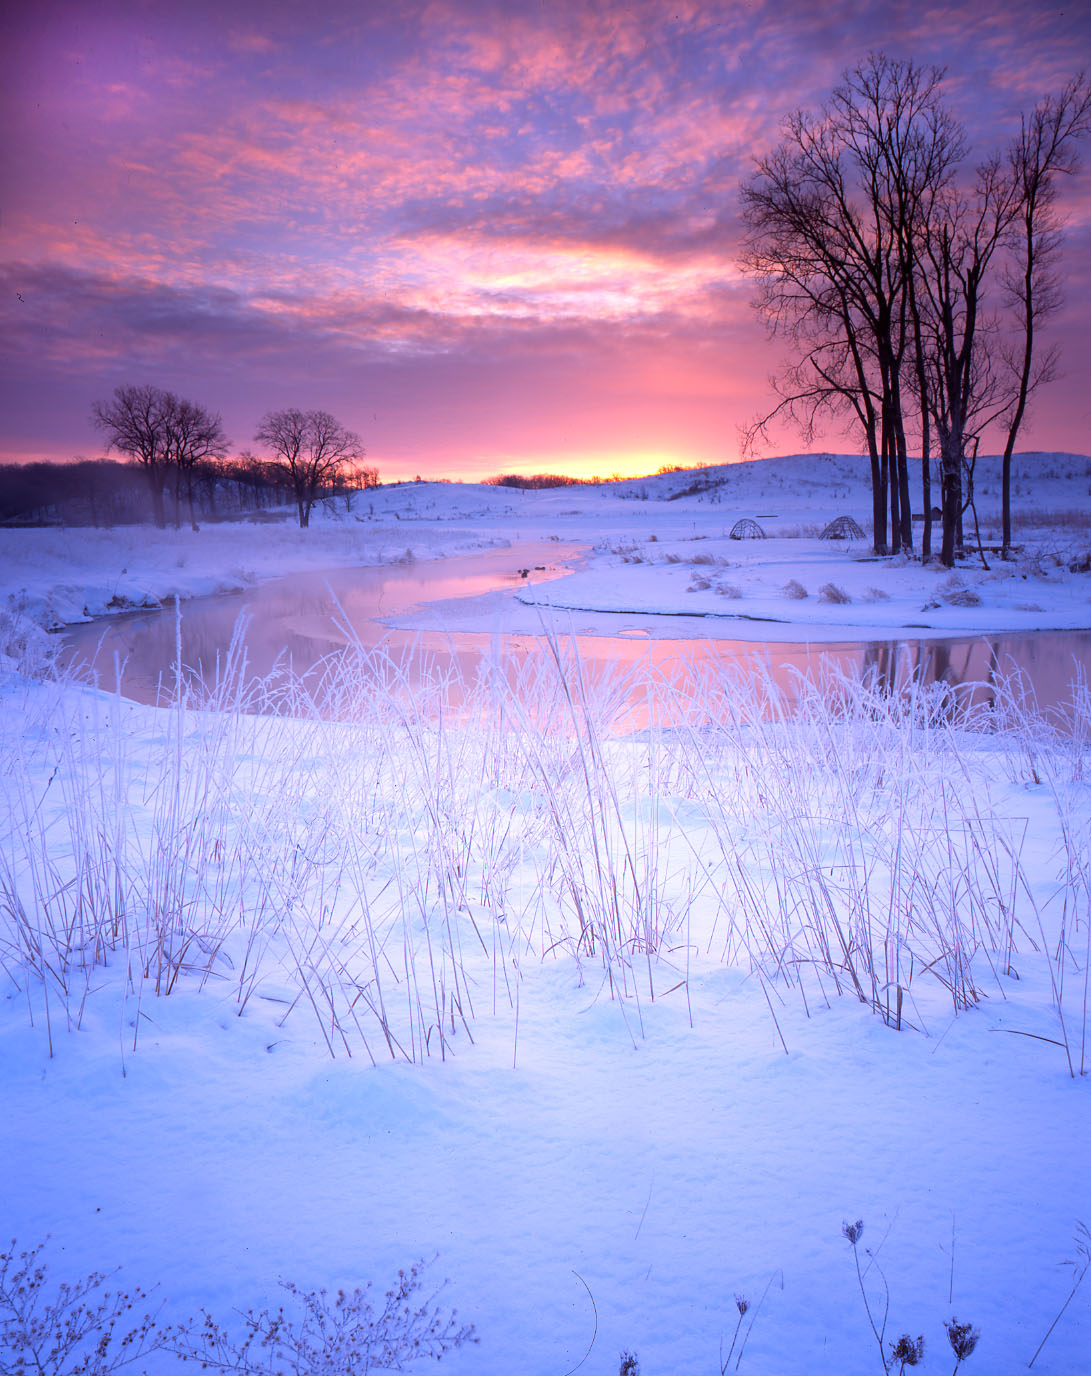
907, 1351
62, 1328
963, 1339
830, 592
853, 1232
629, 1365
742, 1304
24, 644
344, 1334
351, 855
1080, 1268
795, 590
962, 597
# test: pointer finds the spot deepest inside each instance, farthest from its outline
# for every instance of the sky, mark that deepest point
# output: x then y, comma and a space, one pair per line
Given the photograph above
486, 236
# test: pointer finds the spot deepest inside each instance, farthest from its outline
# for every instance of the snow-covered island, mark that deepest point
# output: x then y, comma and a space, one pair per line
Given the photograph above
627, 1029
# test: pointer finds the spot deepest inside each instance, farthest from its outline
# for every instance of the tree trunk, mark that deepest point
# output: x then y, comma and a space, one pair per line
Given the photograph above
189, 499
952, 502
890, 467
1021, 400
904, 505
878, 496
157, 482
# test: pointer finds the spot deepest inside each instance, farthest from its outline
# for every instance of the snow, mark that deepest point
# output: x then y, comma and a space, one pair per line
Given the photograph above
616, 1141
658, 548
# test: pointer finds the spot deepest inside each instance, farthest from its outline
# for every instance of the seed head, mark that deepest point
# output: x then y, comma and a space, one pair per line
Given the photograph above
909, 1351
962, 1337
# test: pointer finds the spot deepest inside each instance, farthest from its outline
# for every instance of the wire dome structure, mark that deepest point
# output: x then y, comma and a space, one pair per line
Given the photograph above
843, 528
746, 529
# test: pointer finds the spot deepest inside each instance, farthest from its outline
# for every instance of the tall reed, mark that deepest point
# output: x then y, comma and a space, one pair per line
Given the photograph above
382, 849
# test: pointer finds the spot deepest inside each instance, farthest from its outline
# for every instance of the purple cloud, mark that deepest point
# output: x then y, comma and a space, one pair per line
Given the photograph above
419, 197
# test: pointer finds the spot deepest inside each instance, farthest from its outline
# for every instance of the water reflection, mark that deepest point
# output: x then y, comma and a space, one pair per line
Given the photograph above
292, 623
297, 623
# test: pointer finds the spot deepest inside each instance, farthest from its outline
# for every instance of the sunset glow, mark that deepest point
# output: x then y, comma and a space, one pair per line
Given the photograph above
487, 236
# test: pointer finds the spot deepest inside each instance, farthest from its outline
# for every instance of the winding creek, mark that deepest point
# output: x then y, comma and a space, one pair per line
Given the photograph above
419, 613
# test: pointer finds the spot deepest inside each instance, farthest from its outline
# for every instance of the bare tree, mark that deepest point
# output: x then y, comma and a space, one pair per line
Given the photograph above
312, 449
956, 251
167, 435
133, 422
869, 251
1006, 227
193, 436
830, 216
362, 477
1043, 151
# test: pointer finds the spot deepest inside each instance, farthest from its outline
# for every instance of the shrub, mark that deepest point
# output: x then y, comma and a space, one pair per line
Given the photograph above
83, 1329
67, 1329
327, 1335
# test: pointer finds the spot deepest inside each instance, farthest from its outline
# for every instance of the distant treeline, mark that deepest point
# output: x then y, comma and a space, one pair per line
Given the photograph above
533, 480
106, 492
537, 480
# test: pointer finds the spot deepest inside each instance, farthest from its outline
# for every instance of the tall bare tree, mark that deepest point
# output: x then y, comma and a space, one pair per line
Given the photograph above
871, 251
312, 450
133, 422
193, 437
1044, 150
830, 217
167, 435
956, 249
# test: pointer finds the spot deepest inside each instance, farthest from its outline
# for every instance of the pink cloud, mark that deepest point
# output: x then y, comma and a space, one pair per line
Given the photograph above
449, 191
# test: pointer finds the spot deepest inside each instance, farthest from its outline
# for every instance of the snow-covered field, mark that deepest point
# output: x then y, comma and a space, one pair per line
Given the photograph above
621, 1029
658, 545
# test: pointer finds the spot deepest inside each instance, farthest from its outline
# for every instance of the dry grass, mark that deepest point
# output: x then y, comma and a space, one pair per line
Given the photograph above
831, 592
1026, 518
385, 855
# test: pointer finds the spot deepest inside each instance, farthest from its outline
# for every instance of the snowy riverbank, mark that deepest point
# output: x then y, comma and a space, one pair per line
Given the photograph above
620, 1028
658, 548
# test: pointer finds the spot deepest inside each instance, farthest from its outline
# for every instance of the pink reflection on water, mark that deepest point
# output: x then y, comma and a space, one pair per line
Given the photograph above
297, 623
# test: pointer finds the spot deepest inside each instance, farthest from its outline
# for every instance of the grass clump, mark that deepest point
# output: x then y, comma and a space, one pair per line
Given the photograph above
831, 592
385, 850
